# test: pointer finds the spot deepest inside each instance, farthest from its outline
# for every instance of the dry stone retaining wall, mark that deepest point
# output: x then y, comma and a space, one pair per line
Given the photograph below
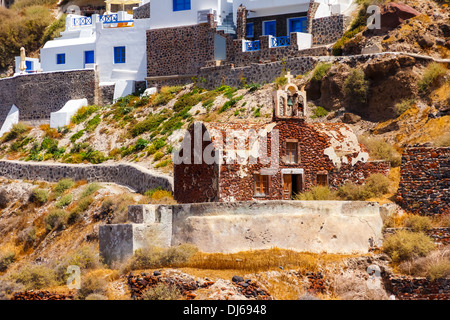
425, 181
132, 176
37, 95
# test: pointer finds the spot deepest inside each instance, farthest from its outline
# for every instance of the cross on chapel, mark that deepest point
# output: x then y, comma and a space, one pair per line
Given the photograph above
289, 77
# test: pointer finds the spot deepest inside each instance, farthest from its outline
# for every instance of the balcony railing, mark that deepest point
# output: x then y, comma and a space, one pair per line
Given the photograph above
82, 21
281, 42
252, 46
109, 18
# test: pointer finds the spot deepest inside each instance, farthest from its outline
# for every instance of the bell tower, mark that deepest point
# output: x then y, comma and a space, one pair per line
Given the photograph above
289, 101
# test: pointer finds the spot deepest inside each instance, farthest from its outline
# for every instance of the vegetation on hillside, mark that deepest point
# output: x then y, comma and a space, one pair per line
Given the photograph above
28, 24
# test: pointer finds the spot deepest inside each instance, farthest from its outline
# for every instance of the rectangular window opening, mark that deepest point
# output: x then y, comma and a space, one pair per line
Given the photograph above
291, 152
250, 30
270, 28
119, 54
261, 185
181, 5
61, 58
322, 180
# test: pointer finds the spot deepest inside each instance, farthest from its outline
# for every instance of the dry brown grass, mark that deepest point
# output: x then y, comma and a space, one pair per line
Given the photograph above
263, 260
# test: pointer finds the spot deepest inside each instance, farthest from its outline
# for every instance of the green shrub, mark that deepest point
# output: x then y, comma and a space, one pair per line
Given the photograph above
431, 76
54, 30
150, 124
377, 184
6, 259
162, 291
405, 245
356, 86
83, 113
16, 130
418, 223
317, 193
320, 70
381, 150
27, 237
55, 219
404, 105
39, 196
63, 185
90, 189
92, 124
158, 156
353, 192
257, 113
34, 277
319, 112
163, 164
64, 201
439, 270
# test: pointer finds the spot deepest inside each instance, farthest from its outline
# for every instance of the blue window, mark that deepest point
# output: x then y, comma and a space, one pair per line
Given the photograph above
180, 5
270, 28
89, 57
61, 58
29, 65
250, 30
297, 25
119, 54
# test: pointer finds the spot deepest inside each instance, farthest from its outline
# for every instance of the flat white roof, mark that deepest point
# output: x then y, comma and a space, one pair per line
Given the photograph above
69, 42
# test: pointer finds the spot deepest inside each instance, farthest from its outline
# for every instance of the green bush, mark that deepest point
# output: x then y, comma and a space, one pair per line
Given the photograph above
90, 189
54, 30
158, 156
405, 245
63, 185
320, 70
39, 196
16, 130
55, 219
356, 86
418, 223
431, 76
34, 277
162, 291
404, 105
353, 192
64, 201
319, 112
439, 270
150, 124
6, 259
92, 124
381, 150
83, 114
377, 184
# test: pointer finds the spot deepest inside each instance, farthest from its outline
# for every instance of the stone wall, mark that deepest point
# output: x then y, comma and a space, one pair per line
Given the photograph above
179, 51
313, 226
409, 288
132, 176
142, 12
37, 95
425, 181
329, 29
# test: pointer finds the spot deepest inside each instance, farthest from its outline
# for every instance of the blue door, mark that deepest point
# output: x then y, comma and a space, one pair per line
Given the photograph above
29, 65
297, 25
89, 57
270, 28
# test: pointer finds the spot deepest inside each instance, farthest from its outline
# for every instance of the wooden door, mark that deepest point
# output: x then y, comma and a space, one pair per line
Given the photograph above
287, 187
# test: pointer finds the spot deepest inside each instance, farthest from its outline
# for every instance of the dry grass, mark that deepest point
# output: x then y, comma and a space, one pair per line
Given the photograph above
263, 260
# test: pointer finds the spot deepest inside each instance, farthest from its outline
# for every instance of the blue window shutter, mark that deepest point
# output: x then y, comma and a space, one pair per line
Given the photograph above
270, 28
250, 30
89, 57
119, 54
61, 58
297, 25
29, 65
179, 5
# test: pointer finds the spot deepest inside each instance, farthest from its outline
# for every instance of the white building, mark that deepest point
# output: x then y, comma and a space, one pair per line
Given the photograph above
113, 44
177, 13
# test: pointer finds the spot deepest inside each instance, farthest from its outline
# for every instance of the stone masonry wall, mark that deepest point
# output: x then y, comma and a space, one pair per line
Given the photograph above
329, 29
179, 51
425, 181
142, 12
37, 95
408, 288
132, 176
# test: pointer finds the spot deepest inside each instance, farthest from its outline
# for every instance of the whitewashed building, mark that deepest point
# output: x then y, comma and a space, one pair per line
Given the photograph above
113, 44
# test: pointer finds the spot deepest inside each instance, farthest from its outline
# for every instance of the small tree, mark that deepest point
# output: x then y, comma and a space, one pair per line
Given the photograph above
356, 86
